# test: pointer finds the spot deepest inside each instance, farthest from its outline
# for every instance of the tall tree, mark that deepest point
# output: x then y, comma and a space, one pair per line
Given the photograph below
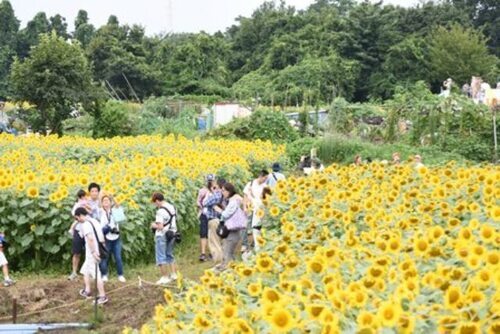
9, 26
119, 58
253, 36
459, 53
194, 64
84, 31
485, 14
371, 30
55, 78
405, 63
59, 25
29, 36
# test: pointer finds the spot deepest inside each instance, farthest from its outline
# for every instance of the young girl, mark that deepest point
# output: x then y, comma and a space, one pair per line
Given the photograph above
75, 230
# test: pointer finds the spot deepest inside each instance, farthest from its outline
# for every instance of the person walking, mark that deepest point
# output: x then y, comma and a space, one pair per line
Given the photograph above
111, 231
235, 221
253, 193
91, 230
165, 227
202, 193
214, 198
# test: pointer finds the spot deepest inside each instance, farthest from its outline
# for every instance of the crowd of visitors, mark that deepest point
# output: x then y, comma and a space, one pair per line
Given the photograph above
229, 223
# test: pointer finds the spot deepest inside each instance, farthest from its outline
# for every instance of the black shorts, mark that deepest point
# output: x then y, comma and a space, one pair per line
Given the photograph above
203, 226
78, 246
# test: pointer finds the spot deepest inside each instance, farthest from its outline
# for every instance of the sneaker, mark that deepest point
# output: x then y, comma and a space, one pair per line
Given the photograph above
85, 294
8, 282
173, 277
203, 258
101, 300
162, 280
72, 277
122, 279
168, 280
104, 278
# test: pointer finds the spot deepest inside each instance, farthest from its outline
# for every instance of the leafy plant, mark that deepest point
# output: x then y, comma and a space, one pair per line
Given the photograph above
263, 124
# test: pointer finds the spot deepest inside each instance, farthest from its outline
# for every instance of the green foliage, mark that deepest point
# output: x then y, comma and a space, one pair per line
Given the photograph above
459, 53
116, 119
300, 147
183, 124
81, 126
342, 149
84, 31
9, 27
119, 58
472, 148
30, 35
346, 117
406, 63
194, 64
55, 77
159, 107
263, 124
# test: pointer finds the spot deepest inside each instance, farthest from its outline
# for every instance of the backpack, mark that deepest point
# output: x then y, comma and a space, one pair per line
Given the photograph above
171, 234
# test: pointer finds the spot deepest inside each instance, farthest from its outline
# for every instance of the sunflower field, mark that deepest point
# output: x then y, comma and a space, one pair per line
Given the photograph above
372, 249
40, 176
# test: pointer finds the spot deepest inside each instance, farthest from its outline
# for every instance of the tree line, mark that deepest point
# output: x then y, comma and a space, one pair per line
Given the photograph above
277, 56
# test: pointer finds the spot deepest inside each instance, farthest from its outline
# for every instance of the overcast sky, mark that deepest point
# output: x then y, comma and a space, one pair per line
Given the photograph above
156, 15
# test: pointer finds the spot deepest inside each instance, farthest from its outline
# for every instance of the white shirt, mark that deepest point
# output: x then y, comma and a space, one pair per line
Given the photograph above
254, 191
77, 226
107, 219
163, 216
89, 234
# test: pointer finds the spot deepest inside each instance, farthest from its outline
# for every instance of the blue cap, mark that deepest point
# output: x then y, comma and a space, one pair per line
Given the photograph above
276, 167
210, 177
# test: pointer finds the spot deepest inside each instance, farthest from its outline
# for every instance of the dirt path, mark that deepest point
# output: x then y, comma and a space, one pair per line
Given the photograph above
129, 305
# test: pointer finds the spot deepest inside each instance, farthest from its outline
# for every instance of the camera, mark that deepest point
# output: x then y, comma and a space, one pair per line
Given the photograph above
114, 230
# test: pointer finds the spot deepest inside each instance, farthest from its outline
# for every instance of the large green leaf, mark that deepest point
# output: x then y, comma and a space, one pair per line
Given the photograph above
21, 220
39, 230
26, 240
25, 202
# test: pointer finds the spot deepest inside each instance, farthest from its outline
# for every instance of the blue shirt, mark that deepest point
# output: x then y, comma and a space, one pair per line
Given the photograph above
211, 200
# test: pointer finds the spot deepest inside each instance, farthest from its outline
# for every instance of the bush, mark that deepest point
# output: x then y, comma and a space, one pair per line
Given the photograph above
80, 126
115, 119
341, 149
263, 124
472, 148
300, 147
184, 124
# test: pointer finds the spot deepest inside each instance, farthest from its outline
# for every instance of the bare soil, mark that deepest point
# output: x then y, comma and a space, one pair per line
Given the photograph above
42, 299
